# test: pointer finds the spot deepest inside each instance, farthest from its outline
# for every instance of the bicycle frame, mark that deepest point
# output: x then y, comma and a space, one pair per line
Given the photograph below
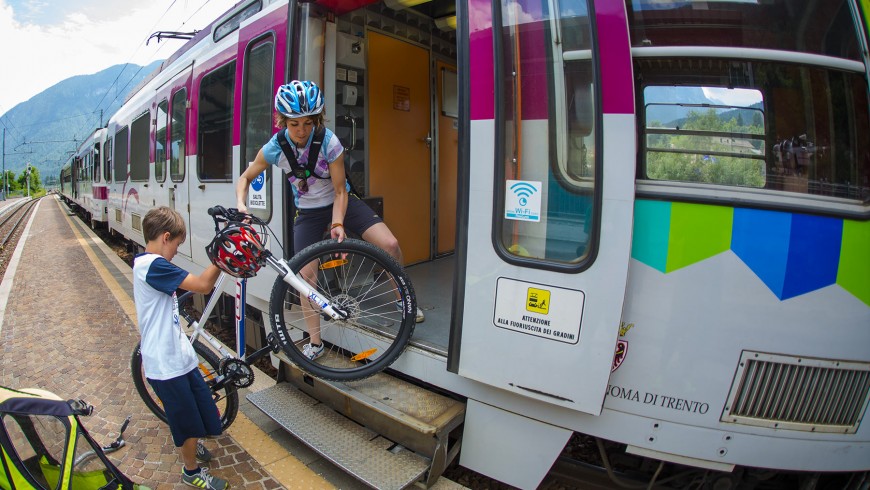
281, 267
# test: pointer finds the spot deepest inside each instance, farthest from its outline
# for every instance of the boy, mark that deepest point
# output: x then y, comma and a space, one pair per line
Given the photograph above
168, 359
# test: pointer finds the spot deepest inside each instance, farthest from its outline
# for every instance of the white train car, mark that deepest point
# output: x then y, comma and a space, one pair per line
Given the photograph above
83, 182
606, 228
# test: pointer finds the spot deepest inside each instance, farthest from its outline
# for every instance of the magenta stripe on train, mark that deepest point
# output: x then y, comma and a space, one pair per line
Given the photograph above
614, 52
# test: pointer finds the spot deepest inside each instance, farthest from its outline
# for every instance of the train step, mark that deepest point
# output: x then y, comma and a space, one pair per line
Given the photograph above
386, 432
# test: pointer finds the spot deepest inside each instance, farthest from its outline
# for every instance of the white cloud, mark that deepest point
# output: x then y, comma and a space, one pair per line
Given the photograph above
36, 56
741, 97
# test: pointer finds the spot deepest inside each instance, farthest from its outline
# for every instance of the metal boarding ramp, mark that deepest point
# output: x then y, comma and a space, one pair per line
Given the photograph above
386, 432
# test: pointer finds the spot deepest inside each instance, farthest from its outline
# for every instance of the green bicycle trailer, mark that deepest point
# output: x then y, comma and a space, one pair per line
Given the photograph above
43, 445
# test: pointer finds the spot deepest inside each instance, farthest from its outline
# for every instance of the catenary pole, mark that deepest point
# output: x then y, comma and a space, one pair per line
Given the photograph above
4, 163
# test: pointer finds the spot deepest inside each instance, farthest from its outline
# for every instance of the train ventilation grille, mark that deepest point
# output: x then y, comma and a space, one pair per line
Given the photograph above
136, 221
798, 393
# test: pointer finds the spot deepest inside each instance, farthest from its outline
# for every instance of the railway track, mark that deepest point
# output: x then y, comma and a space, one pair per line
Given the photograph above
13, 218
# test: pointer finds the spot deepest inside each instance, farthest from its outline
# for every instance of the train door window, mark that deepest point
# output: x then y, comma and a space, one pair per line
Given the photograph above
160, 141
257, 100
548, 171
107, 168
140, 137
215, 144
121, 156
96, 162
177, 131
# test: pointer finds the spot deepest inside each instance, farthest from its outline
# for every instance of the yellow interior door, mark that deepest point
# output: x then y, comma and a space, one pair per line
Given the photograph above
448, 142
399, 161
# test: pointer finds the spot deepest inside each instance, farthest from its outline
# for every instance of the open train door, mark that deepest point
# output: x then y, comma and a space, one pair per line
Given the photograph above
550, 196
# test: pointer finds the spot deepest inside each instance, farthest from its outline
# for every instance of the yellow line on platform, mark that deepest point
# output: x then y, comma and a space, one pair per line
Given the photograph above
283, 466
117, 291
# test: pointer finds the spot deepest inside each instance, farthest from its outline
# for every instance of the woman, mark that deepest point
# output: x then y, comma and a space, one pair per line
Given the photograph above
320, 187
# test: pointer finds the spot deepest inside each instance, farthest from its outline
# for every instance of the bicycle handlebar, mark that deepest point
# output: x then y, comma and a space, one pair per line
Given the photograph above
221, 214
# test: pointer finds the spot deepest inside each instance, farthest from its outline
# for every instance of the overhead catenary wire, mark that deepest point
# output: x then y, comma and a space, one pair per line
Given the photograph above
91, 123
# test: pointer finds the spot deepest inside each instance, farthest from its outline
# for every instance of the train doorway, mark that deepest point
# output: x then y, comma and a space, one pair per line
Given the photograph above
396, 109
400, 139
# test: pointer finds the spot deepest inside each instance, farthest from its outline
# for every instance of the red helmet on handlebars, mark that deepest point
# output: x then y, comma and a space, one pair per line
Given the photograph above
237, 249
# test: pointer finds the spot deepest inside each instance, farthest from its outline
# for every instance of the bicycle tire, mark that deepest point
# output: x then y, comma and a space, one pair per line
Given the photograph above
226, 399
371, 286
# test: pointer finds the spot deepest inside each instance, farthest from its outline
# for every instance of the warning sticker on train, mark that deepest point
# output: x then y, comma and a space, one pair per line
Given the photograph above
543, 311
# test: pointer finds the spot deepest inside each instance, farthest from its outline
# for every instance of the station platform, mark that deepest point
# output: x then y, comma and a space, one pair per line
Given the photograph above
68, 325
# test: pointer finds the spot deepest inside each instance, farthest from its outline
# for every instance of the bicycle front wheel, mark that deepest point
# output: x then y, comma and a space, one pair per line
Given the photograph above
226, 397
365, 283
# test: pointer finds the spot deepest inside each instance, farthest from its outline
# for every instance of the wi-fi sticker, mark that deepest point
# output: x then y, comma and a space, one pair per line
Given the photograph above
523, 190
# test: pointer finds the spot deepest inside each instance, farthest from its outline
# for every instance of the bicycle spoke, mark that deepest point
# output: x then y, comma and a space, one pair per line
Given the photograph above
363, 283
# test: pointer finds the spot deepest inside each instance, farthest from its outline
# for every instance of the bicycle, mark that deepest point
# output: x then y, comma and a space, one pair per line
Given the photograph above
358, 299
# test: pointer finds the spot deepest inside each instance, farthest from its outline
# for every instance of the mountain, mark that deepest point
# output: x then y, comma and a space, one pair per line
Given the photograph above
46, 129
671, 96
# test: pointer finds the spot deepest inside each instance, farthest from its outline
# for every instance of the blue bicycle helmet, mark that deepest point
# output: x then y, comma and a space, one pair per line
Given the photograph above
299, 99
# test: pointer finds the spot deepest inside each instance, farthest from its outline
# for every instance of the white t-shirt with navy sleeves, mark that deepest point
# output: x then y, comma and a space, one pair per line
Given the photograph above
320, 191
166, 350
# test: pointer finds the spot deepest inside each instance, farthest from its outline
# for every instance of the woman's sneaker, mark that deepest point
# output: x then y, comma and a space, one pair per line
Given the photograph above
202, 454
203, 479
312, 351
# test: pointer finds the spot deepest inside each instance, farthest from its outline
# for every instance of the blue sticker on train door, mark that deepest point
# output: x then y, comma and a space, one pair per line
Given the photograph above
257, 193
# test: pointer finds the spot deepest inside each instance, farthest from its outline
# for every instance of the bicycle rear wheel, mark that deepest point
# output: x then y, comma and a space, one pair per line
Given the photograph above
365, 282
226, 398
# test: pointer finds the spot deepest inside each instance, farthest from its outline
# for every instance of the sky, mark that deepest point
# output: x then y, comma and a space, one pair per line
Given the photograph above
43, 42
735, 96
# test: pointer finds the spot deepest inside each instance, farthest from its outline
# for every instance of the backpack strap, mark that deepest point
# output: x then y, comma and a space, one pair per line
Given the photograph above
300, 171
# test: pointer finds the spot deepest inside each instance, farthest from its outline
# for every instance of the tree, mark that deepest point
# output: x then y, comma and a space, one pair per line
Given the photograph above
691, 161
35, 181
11, 183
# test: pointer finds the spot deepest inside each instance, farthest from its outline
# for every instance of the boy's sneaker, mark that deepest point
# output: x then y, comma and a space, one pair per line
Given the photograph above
202, 454
312, 351
203, 479
420, 316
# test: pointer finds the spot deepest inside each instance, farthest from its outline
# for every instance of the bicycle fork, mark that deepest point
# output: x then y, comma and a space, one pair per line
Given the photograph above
305, 290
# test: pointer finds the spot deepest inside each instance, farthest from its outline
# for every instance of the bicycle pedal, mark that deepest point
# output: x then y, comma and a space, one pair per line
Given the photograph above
272, 341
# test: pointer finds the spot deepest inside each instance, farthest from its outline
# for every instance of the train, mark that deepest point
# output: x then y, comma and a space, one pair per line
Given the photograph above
645, 222
83, 183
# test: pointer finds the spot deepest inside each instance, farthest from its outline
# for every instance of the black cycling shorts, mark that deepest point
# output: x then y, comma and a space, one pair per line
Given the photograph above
312, 225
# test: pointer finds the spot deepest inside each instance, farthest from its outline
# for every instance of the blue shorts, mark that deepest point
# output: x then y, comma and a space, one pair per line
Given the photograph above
189, 407
310, 225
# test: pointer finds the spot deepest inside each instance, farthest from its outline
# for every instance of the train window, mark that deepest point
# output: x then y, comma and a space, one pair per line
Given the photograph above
548, 106
705, 134
160, 141
782, 126
177, 132
140, 137
107, 168
215, 143
231, 24
121, 156
257, 100
806, 26
96, 163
